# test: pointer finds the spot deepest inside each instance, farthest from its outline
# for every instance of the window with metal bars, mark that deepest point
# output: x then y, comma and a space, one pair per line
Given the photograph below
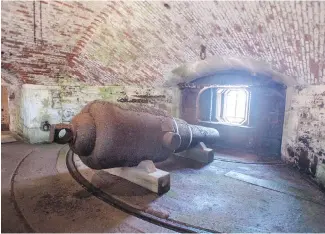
225, 105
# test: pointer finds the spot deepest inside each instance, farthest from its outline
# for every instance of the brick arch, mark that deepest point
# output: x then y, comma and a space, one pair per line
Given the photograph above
192, 71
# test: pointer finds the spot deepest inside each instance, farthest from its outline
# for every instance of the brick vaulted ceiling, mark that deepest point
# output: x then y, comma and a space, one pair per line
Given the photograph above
138, 43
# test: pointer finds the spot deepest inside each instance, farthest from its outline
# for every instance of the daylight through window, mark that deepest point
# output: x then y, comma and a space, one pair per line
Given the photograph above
232, 105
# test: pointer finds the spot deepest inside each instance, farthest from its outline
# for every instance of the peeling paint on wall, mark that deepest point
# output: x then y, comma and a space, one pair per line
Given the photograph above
57, 104
303, 142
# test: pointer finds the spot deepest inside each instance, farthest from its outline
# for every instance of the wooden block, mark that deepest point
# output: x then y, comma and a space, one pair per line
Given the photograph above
199, 153
145, 175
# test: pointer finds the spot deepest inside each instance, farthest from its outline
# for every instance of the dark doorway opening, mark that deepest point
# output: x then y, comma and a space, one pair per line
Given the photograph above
5, 121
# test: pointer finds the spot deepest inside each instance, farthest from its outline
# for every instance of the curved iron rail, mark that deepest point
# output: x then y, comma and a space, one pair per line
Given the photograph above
165, 223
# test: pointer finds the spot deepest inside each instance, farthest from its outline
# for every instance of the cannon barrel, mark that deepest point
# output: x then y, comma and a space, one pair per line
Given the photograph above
107, 135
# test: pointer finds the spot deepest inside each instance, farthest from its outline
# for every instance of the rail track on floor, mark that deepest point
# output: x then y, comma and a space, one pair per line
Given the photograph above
109, 199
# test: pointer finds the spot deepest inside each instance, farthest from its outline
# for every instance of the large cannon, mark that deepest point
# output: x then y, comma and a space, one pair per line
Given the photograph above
107, 135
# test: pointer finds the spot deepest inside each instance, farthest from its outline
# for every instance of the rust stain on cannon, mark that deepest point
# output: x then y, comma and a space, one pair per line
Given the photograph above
107, 135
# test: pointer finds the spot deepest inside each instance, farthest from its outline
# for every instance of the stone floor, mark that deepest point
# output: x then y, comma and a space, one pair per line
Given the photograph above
232, 194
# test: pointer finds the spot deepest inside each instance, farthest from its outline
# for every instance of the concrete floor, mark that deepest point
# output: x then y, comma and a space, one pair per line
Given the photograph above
42, 200
39, 196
